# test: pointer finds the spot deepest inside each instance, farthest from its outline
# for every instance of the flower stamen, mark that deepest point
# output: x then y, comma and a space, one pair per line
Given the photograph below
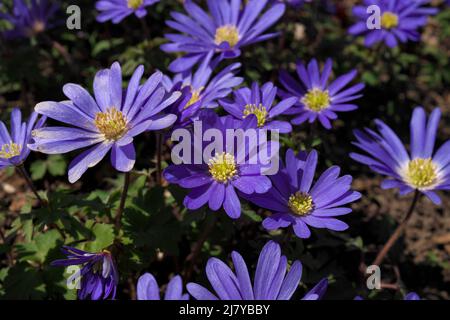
228, 33
301, 203
223, 167
420, 173
10, 150
259, 111
195, 97
316, 100
135, 4
111, 123
389, 20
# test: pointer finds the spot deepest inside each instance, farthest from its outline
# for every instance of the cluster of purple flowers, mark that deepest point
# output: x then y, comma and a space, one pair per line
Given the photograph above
111, 118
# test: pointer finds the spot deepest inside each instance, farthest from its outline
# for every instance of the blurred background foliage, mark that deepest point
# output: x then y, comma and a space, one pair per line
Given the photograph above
158, 234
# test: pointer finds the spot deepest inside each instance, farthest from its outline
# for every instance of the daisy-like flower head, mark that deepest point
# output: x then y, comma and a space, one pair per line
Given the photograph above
260, 103
271, 281
399, 21
316, 98
108, 122
14, 147
295, 200
201, 89
99, 277
29, 19
229, 25
216, 181
421, 170
117, 10
148, 289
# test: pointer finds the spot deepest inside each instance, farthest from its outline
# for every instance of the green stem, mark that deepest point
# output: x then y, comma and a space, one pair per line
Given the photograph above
23, 172
123, 198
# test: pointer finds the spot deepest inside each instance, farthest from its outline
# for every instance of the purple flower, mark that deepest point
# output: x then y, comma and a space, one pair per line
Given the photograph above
147, 289
111, 121
200, 89
316, 98
270, 283
260, 103
117, 10
99, 275
14, 147
295, 200
412, 296
29, 20
422, 170
226, 29
399, 21
215, 181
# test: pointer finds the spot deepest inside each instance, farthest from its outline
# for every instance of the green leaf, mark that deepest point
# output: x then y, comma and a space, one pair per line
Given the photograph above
104, 237
38, 249
38, 169
56, 165
24, 282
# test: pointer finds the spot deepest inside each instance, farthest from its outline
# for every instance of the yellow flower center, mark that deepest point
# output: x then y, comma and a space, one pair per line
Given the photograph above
259, 111
112, 123
38, 27
421, 173
316, 100
228, 33
389, 20
10, 150
196, 95
222, 167
301, 203
135, 4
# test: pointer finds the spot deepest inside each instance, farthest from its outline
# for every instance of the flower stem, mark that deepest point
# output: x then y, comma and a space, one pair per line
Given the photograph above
197, 248
398, 232
8, 253
23, 172
123, 198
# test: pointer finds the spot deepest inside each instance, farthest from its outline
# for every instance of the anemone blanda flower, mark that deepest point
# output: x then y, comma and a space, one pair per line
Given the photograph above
108, 122
318, 99
260, 102
147, 289
270, 282
216, 180
295, 200
399, 21
29, 20
14, 147
200, 89
117, 10
421, 170
99, 277
224, 30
